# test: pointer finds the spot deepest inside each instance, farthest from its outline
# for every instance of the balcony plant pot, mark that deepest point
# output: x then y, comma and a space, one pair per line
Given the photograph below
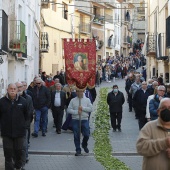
18, 46
14, 44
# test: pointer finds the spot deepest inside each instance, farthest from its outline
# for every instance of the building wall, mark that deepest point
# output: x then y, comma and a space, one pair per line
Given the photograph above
57, 29
159, 8
4, 4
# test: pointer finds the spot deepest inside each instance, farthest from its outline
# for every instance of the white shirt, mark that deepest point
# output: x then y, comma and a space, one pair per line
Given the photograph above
57, 100
148, 116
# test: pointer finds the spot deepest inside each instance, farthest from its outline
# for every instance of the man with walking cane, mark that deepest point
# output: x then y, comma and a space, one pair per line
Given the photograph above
80, 107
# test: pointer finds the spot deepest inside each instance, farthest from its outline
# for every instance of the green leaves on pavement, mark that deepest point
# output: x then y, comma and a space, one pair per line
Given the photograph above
102, 146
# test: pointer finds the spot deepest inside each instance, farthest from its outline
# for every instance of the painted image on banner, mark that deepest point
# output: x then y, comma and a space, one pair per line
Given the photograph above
80, 61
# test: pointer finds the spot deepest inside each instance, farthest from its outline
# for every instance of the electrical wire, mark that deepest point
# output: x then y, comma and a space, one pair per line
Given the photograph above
87, 6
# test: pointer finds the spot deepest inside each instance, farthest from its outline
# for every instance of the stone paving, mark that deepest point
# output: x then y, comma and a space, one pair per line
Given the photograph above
57, 151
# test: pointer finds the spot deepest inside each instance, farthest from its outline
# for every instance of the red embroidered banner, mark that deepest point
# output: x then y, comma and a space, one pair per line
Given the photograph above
80, 62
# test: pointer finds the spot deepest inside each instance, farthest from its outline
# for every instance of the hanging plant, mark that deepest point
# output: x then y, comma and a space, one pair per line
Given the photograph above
102, 146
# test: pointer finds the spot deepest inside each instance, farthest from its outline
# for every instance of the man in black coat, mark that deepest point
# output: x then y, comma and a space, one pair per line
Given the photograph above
41, 103
13, 118
140, 102
30, 109
129, 82
115, 100
58, 102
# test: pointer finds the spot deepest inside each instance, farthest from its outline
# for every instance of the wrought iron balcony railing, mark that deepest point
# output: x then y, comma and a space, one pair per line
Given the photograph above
3, 31
85, 28
99, 19
110, 42
17, 36
151, 43
44, 43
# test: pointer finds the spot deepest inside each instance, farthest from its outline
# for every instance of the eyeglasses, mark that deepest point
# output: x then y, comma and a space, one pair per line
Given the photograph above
162, 90
20, 86
38, 83
144, 84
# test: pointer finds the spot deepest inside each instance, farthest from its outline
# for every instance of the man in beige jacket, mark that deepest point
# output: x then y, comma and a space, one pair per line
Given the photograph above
154, 140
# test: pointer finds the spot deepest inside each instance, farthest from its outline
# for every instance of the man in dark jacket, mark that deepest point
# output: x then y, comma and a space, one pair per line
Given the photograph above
130, 80
140, 102
115, 100
58, 101
30, 109
13, 118
41, 103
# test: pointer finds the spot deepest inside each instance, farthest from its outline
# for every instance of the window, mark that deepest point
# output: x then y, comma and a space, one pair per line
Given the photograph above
54, 5
65, 11
55, 48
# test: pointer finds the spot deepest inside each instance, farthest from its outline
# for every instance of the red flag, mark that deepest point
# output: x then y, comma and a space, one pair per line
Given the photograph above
80, 62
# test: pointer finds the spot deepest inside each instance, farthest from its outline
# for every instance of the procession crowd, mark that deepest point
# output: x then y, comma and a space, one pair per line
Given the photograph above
24, 105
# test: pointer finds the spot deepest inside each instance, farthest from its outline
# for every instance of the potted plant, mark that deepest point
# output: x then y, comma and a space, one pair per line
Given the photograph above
15, 43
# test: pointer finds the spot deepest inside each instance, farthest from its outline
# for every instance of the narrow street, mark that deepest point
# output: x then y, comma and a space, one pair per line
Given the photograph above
57, 151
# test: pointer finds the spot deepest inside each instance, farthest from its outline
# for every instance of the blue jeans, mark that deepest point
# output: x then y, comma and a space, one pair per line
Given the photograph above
84, 130
41, 113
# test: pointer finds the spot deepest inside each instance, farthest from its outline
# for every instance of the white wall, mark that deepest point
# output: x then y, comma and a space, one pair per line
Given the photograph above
28, 12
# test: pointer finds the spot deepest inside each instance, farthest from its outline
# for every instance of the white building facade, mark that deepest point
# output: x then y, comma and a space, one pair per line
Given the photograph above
21, 59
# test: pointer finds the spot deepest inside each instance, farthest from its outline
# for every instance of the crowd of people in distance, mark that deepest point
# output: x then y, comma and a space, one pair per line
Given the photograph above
150, 100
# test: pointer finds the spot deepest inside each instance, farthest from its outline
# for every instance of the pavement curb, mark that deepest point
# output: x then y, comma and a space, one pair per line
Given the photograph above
34, 152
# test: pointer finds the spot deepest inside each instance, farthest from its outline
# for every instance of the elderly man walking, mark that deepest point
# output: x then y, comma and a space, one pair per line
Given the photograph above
58, 102
13, 118
80, 106
140, 102
154, 140
41, 102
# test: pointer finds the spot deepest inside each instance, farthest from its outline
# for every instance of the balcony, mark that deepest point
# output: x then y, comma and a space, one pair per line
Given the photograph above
129, 41
99, 19
151, 43
109, 18
3, 31
127, 17
45, 4
85, 28
99, 43
44, 43
130, 27
110, 42
17, 36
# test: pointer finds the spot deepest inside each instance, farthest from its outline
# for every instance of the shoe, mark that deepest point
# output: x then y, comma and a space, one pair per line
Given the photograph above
43, 134
78, 154
54, 125
58, 131
85, 149
27, 159
34, 135
119, 129
114, 130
